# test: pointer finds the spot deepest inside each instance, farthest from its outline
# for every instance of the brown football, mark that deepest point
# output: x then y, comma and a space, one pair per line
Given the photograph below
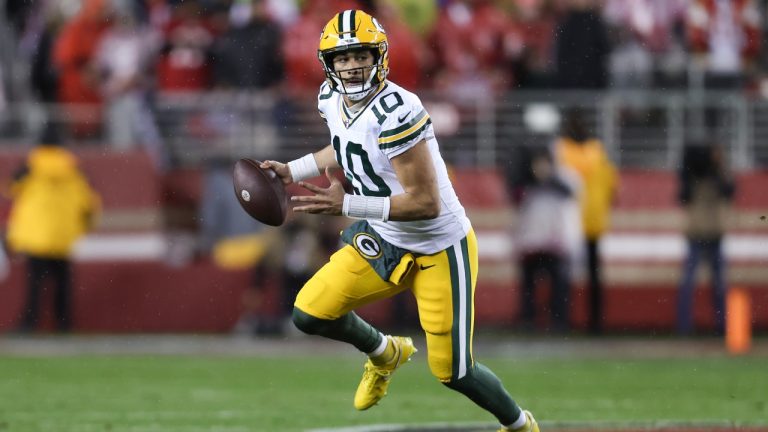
260, 192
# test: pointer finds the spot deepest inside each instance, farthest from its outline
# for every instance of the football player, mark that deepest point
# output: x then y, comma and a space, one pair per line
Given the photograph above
412, 231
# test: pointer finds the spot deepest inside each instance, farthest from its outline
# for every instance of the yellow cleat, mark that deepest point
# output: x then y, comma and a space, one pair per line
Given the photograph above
375, 381
530, 425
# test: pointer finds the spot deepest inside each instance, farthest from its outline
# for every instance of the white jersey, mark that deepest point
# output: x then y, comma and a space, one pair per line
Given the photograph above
392, 122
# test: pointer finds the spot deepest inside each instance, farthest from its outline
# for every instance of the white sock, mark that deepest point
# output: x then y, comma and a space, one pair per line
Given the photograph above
520, 422
382, 346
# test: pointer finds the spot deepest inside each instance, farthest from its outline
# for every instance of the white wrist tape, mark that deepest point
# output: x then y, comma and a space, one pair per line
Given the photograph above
363, 207
304, 167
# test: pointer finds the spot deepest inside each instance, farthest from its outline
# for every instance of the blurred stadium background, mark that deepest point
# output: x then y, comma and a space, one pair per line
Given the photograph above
143, 259
197, 84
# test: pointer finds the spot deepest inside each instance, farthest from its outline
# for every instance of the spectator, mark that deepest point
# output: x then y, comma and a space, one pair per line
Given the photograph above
475, 43
124, 59
248, 56
407, 62
534, 67
706, 189
652, 23
44, 76
578, 149
725, 36
548, 237
650, 47
52, 207
185, 62
630, 62
78, 88
581, 47
17, 14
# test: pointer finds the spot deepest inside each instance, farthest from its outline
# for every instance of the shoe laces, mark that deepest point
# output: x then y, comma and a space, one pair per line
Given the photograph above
372, 373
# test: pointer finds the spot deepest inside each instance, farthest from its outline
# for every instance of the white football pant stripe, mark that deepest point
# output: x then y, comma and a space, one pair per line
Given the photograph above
462, 286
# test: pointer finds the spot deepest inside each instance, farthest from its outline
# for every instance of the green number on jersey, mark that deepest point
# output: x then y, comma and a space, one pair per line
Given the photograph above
396, 103
357, 149
387, 106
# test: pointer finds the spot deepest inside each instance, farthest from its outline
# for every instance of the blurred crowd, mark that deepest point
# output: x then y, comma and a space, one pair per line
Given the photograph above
105, 61
121, 52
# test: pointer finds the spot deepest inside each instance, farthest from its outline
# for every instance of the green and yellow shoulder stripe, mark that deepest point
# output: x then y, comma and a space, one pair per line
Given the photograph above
405, 132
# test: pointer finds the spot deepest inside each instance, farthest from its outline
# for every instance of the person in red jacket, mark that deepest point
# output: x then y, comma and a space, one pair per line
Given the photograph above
184, 64
73, 55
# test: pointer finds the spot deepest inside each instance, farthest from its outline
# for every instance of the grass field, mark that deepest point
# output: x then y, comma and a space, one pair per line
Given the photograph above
161, 393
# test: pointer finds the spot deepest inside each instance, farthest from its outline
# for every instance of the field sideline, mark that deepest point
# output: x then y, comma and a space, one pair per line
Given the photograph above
172, 383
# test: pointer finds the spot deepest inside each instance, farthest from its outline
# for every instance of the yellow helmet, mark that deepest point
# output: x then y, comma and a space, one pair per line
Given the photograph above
354, 30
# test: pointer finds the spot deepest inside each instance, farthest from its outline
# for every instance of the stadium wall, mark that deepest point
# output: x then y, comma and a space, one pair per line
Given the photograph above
128, 278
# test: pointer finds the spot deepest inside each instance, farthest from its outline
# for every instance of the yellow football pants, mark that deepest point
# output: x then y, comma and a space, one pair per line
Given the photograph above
444, 287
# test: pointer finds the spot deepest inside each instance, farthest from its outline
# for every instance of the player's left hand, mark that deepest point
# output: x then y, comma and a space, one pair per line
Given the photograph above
325, 200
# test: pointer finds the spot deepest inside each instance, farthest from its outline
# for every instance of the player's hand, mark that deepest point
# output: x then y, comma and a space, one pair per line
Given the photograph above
282, 170
328, 200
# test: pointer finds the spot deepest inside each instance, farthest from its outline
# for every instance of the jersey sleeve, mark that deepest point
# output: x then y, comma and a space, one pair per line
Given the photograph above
323, 96
406, 126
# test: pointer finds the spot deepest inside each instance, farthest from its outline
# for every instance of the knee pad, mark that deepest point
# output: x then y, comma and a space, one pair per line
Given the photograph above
308, 323
440, 355
440, 364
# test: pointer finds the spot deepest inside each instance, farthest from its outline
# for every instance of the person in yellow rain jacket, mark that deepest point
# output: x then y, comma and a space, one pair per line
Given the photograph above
52, 207
580, 151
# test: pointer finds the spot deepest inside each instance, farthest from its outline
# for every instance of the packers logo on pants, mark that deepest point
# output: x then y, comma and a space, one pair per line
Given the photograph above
368, 246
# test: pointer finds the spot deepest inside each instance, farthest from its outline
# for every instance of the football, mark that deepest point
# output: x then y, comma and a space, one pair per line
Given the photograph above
260, 192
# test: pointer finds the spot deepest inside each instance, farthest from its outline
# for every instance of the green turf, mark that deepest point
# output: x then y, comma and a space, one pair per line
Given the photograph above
162, 393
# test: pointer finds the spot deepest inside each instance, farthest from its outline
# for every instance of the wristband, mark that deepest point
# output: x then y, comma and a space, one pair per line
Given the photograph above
303, 168
363, 207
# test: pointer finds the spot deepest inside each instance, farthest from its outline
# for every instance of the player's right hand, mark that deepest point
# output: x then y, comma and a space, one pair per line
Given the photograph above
282, 170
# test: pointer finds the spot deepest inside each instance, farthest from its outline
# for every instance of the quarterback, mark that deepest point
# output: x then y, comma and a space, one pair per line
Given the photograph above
412, 231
